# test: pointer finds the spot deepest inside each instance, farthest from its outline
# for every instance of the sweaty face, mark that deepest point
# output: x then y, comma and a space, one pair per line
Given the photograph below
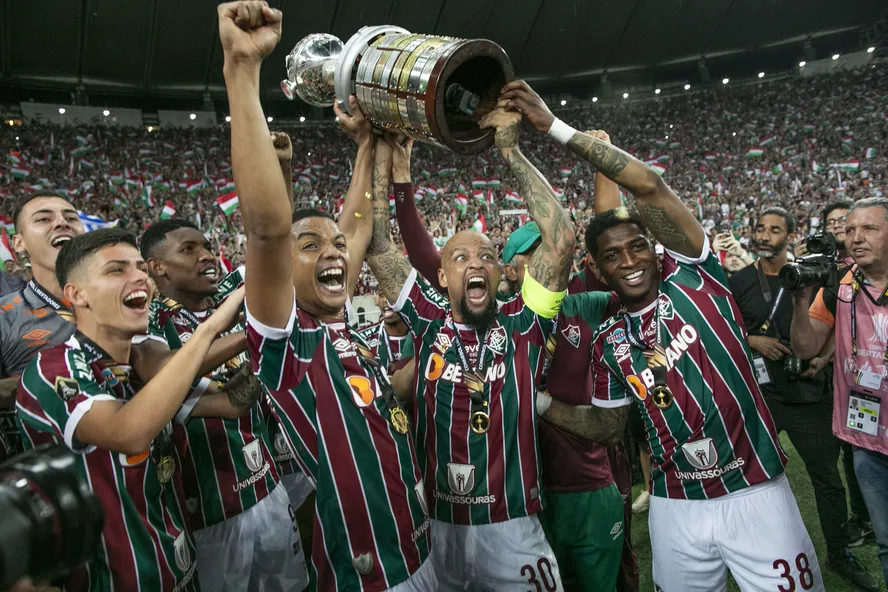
320, 266
112, 287
45, 224
835, 224
628, 263
771, 236
185, 260
866, 237
470, 272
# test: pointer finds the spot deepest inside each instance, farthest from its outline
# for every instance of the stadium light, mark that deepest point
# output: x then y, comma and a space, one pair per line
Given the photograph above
62, 110
835, 56
670, 126
667, 136
16, 138
802, 64
192, 117
725, 80
594, 99
870, 49
563, 102
625, 95
269, 119
734, 134
761, 74
302, 119
106, 113
656, 92
687, 86
228, 119
150, 129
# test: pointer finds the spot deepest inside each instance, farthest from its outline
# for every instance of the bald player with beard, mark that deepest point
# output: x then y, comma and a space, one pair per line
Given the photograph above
474, 396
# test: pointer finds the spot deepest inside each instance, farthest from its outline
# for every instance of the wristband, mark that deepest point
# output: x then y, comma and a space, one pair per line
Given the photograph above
561, 131
543, 402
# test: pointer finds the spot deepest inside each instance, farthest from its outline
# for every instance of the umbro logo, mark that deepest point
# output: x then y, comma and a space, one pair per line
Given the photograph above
36, 338
343, 348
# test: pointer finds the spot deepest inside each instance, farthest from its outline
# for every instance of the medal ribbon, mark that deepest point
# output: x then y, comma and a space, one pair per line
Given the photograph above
97, 354
655, 356
476, 373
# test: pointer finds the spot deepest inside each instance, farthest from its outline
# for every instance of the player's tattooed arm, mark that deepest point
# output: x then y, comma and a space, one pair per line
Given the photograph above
598, 424
387, 262
550, 264
243, 389
666, 217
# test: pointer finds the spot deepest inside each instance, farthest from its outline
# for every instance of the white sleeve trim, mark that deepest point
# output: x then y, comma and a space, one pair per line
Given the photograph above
187, 407
140, 339
273, 332
693, 260
74, 418
405, 291
611, 404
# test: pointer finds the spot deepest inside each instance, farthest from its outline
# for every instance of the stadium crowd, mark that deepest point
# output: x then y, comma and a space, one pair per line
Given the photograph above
418, 434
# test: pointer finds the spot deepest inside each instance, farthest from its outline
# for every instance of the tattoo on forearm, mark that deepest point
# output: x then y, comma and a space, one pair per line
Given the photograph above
547, 266
607, 158
598, 424
243, 388
388, 264
391, 269
664, 228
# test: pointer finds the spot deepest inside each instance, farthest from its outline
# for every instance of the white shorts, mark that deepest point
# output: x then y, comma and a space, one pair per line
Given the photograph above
422, 580
258, 550
298, 488
757, 533
499, 557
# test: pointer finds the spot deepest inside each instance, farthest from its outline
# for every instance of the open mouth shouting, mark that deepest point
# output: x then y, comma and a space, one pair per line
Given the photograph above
332, 280
137, 300
60, 241
477, 291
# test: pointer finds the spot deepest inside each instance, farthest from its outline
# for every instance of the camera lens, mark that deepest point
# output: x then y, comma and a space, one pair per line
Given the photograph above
794, 276
52, 522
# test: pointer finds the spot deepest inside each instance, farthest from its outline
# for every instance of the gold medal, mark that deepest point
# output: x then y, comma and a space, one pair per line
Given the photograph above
165, 467
480, 422
662, 397
399, 420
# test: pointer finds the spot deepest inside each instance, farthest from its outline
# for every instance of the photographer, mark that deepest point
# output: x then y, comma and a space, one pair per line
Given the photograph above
797, 396
857, 314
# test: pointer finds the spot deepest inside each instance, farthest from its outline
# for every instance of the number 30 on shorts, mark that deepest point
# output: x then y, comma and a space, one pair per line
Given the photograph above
541, 577
803, 569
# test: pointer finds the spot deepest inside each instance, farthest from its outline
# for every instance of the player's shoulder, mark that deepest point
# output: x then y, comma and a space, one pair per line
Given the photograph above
611, 330
11, 305
63, 360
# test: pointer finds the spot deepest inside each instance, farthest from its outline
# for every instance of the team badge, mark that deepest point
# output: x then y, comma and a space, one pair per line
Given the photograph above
419, 488
664, 308
572, 334
183, 553
496, 340
442, 343
617, 336
66, 388
280, 444
399, 420
253, 456
363, 563
461, 478
702, 454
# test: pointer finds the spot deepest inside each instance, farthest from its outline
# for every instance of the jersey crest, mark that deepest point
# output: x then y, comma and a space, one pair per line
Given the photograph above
461, 478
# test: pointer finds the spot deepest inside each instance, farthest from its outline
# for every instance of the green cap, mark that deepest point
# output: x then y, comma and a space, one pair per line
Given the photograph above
521, 241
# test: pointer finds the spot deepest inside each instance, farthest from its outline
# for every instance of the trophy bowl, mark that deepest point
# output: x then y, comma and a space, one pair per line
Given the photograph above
434, 89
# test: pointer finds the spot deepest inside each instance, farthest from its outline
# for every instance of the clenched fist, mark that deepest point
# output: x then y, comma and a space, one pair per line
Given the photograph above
506, 125
283, 148
249, 30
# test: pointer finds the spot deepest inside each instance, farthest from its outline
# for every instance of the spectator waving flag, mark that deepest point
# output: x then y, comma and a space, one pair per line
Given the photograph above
146, 196
228, 202
460, 202
20, 172
480, 224
169, 210
851, 165
7, 253
870, 152
755, 153
7, 224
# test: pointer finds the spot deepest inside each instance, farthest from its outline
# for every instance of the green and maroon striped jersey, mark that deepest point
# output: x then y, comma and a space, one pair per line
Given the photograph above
228, 464
145, 545
371, 523
476, 478
717, 435
386, 348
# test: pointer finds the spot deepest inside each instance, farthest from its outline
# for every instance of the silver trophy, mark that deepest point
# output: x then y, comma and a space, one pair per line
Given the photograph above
434, 89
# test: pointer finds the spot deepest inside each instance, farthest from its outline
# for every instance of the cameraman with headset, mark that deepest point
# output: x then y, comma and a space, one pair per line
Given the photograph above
857, 312
797, 394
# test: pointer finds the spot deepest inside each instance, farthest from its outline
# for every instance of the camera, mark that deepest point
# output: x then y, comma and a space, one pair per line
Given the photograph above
458, 98
52, 522
817, 268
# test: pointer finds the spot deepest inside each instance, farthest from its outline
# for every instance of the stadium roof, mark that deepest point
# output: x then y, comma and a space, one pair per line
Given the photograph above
170, 48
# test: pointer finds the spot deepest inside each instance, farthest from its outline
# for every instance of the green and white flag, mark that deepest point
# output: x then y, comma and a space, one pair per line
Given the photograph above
228, 202
851, 165
755, 153
169, 210
870, 152
146, 196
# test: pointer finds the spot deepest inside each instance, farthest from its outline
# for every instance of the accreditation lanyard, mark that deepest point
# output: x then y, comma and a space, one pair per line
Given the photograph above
63, 311
856, 282
766, 291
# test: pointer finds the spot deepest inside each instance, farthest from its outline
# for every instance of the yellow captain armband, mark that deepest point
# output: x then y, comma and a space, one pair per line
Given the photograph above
539, 299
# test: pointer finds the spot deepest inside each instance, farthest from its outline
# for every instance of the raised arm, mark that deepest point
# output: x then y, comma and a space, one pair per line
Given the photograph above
283, 148
607, 193
249, 32
550, 264
387, 262
356, 222
666, 217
